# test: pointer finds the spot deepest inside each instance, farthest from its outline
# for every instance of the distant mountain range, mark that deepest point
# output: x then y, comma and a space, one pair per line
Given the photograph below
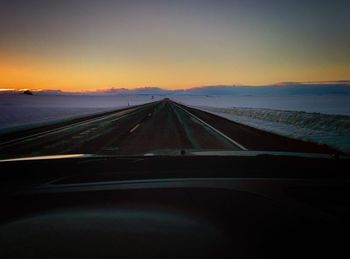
279, 89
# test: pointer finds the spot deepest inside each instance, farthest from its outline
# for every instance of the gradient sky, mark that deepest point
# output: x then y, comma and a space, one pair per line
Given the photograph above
76, 44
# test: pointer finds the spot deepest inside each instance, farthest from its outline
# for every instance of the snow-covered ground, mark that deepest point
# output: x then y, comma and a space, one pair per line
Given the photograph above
323, 103
332, 130
323, 119
19, 111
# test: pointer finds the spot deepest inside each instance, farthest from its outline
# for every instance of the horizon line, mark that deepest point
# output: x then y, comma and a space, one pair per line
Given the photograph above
111, 89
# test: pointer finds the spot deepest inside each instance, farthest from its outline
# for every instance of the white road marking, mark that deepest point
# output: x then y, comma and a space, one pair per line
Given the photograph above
134, 128
213, 129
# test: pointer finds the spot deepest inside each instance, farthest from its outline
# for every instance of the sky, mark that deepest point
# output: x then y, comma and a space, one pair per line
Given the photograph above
95, 44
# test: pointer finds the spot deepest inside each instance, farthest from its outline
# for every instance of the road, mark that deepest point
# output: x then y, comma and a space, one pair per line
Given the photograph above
162, 127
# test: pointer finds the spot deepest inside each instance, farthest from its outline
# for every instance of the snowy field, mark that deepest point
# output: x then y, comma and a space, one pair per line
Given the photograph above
332, 130
327, 104
323, 119
19, 111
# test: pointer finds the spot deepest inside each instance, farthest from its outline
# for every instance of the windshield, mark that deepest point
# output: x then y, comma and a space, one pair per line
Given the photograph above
174, 78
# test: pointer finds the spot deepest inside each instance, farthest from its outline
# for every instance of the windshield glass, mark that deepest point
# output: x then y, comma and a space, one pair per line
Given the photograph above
153, 78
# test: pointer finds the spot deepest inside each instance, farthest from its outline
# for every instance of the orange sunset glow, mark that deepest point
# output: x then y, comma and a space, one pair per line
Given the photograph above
178, 45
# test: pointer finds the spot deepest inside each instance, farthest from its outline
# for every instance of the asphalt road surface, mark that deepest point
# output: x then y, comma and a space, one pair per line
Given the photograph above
162, 127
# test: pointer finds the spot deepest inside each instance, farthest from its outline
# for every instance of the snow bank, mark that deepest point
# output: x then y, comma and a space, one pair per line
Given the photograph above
327, 104
332, 130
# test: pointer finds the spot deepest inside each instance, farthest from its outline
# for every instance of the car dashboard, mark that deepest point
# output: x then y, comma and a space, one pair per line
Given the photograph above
174, 207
